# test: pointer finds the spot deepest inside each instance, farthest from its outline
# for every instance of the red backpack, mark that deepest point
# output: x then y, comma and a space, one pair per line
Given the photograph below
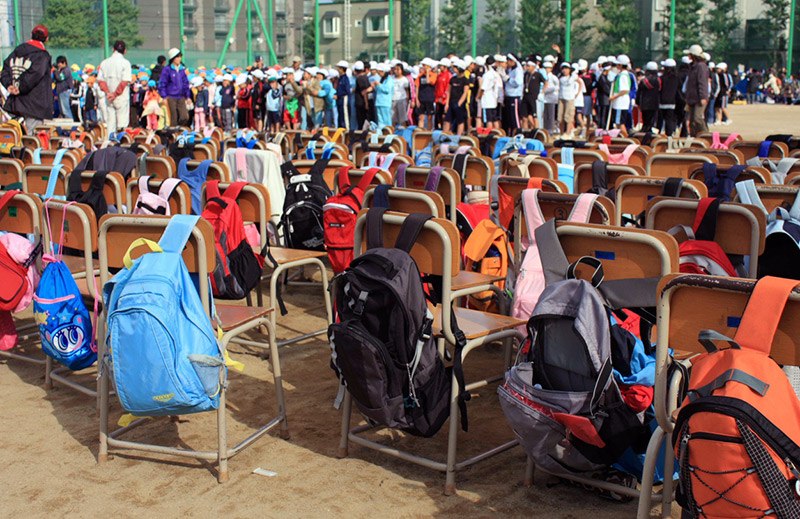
700, 254
14, 279
339, 218
239, 268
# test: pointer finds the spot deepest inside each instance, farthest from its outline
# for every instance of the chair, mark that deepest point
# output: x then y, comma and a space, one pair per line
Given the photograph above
688, 304
756, 174
205, 152
639, 157
740, 227
36, 178
254, 204
69, 160
179, 203
583, 181
750, 149
404, 200
633, 192
616, 141
676, 164
436, 253
725, 157
544, 167
10, 171
478, 171
113, 188
160, 166
709, 137
449, 186
331, 169
661, 145
117, 233
422, 139
773, 196
396, 144
216, 170
579, 155
398, 159
338, 152
382, 177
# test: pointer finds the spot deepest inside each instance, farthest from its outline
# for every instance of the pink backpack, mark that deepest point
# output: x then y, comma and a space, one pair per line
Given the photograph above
717, 145
531, 282
155, 203
619, 158
20, 251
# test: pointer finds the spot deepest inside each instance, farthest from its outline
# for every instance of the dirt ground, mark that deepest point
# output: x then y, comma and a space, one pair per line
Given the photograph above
50, 441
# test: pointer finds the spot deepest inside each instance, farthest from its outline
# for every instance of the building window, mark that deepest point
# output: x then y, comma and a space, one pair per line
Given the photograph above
330, 27
380, 58
280, 45
378, 25
221, 24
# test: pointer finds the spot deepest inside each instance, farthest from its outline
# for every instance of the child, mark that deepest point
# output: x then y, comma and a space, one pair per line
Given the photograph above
224, 101
200, 103
566, 99
244, 103
90, 100
457, 90
153, 106
384, 90
274, 103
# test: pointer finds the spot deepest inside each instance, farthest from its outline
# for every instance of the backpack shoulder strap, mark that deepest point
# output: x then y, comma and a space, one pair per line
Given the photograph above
98, 181
600, 176
482, 238
763, 313
37, 156
51, 183
375, 227
373, 159
531, 209
380, 197
74, 187
551, 254
730, 140
409, 232
337, 134
434, 177
715, 143
705, 220
233, 190
748, 194
212, 190
177, 232
400, 175
387, 161
582, 210
367, 178
568, 155
672, 187
167, 187
143, 185
6, 198
763, 149
344, 178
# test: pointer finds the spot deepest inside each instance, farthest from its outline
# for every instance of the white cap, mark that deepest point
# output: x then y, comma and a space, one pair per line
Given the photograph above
549, 57
602, 59
373, 64
565, 64
480, 61
547, 63
576, 66
669, 62
218, 78
686, 60
227, 77
241, 79
196, 81
711, 64
707, 56
382, 67
343, 64
258, 74
624, 60
428, 61
468, 60
723, 66
459, 63
651, 65
694, 50
445, 62
173, 52
358, 65
500, 58
332, 73
312, 70
583, 64
321, 71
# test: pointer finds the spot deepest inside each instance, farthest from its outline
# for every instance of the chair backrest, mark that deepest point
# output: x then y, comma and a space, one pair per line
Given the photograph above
579, 155
333, 167
676, 164
449, 187
616, 141
639, 156
396, 145
728, 157
113, 188
355, 174
478, 171
119, 231
69, 160
217, 170
740, 227
79, 225
773, 196
625, 252
254, 204
541, 167
22, 214
749, 149
403, 200
756, 174
633, 192
205, 152
179, 203
583, 181
661, 144
161, 166
708, 137
398, 159
35, 179
10, 171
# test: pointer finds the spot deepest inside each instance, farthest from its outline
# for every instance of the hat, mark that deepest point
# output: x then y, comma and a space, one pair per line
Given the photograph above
343, 64
549, 57
297, 59
320, 71
227, 77
468, 60
151, 83
669, 62
196, 81
445, 62
694, 50
722, 66
382, 67
565, 65
241, 79
651, 65
75, 67
583, 64
259, 58
500, 58
42, 29
372, 64
173, 53
711, 65
547, 63
258, 74
623, 60
480, 61
358, 65
333, 73
427, 61
218, 78
707, 56
459, 64
686, 60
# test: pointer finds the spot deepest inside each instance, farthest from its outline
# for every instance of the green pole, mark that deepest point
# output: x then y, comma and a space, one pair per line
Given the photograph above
672, 30
273, 60
316, 32
568, 36
17, 27
249, 32
273, 57
791, 40
180, 16
230, 33
105, 27
474, 27
391, 29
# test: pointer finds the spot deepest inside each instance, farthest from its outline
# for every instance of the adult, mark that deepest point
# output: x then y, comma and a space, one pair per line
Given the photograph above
343, 95
513, 86
259, 63
567, 92
648, 95
400, 96
113, 79
155, 73
697, 91
26, 76
297, 75
753, 85
670, 96
490, 91
63, 78
174, 87
361, 91
620, 92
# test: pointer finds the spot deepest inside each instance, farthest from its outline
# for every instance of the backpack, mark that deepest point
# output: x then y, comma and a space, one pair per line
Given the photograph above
700, 254
195, 179
306, 194
487, 251
162, 349
531, 281
721, 183
65, 327
155, 203
562, 399
383, 348
339, 218
93, 196
238, 267
737, 438
14, 275
716, 144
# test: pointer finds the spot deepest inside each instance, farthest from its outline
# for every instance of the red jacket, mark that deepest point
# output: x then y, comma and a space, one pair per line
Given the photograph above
243, 97
442, 83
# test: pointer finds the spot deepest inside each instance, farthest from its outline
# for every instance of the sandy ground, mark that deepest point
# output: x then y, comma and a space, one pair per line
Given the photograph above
50, 442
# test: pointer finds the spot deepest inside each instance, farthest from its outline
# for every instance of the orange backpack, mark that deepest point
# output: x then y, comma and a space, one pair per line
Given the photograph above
487, 251
737, 437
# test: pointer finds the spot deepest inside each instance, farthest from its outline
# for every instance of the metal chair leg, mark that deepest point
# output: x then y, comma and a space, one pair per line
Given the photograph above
346, 411
452, 439
222, 435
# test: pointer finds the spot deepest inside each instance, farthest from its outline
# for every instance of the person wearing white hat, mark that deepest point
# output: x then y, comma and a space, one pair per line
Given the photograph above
424, 98
713, 93
224, 101
442, 84
648, 96
513, 85
566, 100
260, 87
343, 95
400, 96
620, 90
174, 88
244, 104
491, 88
549, 96
603, 85
696, 94
669, 97
384, 90
580, 91
456, 102
532, 81
200, 103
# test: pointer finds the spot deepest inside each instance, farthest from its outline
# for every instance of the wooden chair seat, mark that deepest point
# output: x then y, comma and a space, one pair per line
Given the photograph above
283, 255
468, 279
476, 324
232, 316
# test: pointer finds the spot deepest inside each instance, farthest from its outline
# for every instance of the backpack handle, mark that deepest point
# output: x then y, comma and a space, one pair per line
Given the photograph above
126, 260
763, 313
597, 276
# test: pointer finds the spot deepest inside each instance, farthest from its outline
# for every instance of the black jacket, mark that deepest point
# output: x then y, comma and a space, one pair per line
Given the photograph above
603, 90
155, 74
28, 68
648, 93
670, 90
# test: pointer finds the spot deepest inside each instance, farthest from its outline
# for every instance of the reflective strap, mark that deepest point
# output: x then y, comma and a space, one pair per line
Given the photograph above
748, 194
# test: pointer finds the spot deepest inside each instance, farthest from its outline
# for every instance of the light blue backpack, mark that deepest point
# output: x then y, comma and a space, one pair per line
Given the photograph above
161, 346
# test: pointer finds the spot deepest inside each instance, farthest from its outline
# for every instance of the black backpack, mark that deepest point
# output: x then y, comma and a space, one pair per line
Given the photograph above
383, 348
93, 196
301, 221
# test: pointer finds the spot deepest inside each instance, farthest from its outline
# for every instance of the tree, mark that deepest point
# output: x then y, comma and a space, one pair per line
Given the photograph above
620, 26
581, 27
416, 40
687, 23
308, 41
70, 23
721, 23
498, 37
538, 25
453, 27
123, 24
776, 15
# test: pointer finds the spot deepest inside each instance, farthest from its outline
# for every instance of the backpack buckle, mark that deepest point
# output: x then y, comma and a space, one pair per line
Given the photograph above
362, 300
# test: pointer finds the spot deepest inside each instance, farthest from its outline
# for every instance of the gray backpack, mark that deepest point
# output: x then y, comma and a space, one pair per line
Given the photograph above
382, 345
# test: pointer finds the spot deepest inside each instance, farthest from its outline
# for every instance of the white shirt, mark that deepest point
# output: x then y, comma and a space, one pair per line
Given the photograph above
114, 71
566, 89
551, 89
400, 88
491, 85
298, 75
622, 83
212, 90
